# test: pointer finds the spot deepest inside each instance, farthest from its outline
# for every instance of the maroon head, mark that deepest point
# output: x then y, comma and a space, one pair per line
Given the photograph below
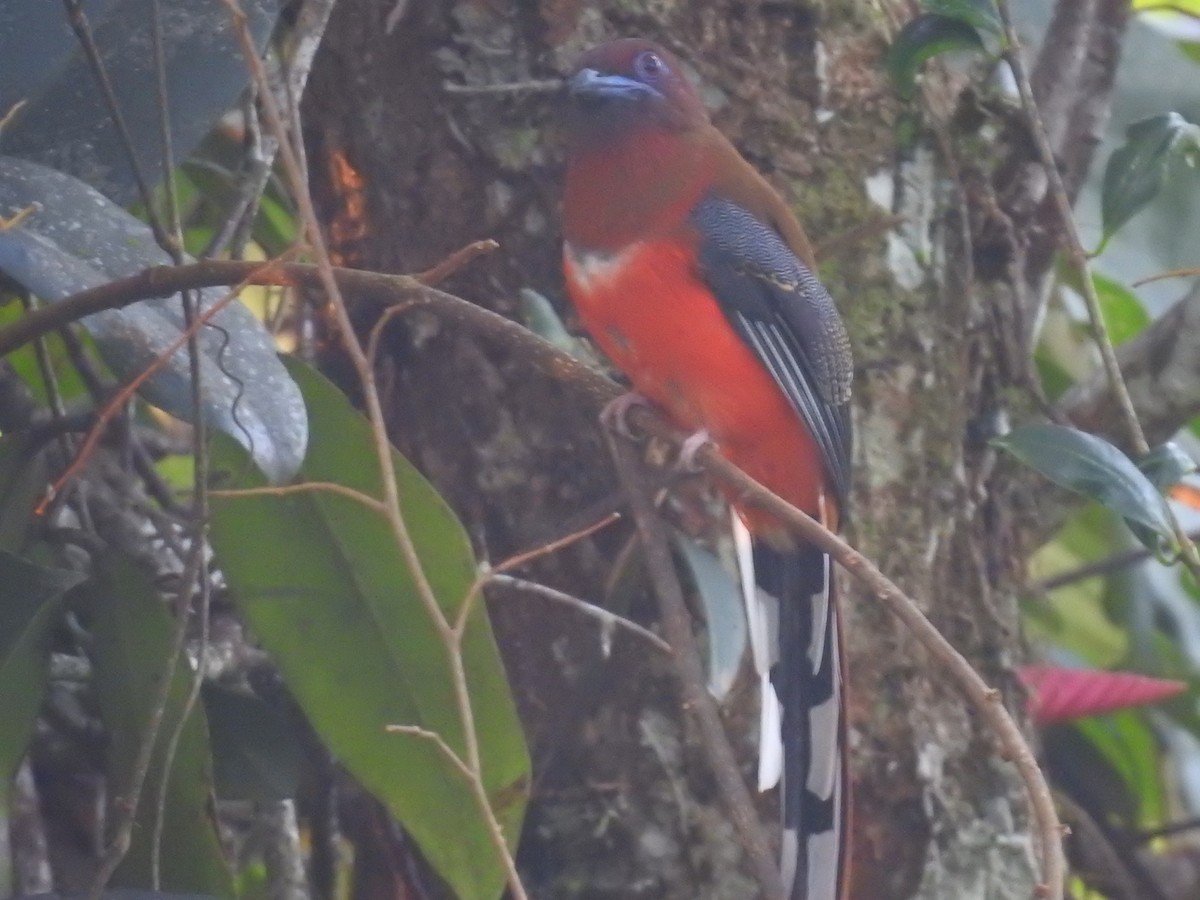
627, 84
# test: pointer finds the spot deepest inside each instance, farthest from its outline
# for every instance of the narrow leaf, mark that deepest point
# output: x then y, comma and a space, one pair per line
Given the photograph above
30, 595
724, 614
1137, 170
1088, 465
320, 578
923, 38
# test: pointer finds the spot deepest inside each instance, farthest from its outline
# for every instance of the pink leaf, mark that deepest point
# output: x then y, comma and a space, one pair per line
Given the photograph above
1058, 694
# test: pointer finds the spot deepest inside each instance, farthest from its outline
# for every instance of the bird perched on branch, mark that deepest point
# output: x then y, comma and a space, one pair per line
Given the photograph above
697, 280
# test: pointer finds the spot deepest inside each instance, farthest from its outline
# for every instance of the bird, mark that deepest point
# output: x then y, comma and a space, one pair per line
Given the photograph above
698, 282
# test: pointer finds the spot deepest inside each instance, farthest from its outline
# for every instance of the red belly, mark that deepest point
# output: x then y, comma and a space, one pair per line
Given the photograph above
660, 325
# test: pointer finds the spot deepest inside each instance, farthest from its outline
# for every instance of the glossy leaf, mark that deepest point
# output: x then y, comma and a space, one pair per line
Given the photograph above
979, 14
1088, 465
65, 122
1137, 170
1059, 694
320, 579
923, 38
76, 239
724, 614
27, 612
131, 637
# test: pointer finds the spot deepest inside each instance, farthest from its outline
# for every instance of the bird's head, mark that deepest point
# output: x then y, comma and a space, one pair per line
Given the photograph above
629, 84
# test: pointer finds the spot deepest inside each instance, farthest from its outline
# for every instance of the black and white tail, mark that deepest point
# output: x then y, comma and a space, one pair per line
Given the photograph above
795, 638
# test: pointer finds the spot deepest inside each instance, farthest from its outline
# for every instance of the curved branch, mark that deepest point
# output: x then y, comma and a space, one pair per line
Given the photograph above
593, 389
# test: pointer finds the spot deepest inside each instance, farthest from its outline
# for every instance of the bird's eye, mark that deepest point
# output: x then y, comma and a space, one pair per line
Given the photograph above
649, 65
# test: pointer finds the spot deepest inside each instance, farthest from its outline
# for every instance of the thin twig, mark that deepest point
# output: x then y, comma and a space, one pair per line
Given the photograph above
520, 559
530, 86
456, 261
1106, 566
656, 550
199, 530
307, 487
608, 620
1190, 272
1078, 256
436, 739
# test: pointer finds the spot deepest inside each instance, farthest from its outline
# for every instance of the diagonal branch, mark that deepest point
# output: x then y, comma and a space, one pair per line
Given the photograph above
660, 564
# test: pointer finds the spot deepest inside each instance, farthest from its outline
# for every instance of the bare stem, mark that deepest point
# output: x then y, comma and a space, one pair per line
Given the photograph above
607, 619
689, 670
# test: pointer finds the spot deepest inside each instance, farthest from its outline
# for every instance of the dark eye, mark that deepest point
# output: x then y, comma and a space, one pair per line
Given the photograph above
649, 66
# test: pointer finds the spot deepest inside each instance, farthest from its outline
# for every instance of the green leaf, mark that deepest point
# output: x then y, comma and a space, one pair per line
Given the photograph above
320, 579
1088, 465
1123, 312
28, 608
979, 14
256, 754
1137, 170
1127, 743
922, 39
131, 637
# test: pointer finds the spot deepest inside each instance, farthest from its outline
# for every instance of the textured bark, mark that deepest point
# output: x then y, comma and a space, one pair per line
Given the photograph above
623, 806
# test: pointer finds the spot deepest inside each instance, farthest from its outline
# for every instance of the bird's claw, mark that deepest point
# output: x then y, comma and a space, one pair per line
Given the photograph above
690, 447
615, 415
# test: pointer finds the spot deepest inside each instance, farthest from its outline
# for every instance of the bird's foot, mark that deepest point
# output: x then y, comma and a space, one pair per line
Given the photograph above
615, 415
690, 447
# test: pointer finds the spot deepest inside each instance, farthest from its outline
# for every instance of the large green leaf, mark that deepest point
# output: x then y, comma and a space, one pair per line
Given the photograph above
320, 579
1093, 467
131, 637
77, 240
28, 601
256, 756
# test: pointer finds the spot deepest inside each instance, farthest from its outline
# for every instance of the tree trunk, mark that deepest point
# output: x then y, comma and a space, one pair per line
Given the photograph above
623, 804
